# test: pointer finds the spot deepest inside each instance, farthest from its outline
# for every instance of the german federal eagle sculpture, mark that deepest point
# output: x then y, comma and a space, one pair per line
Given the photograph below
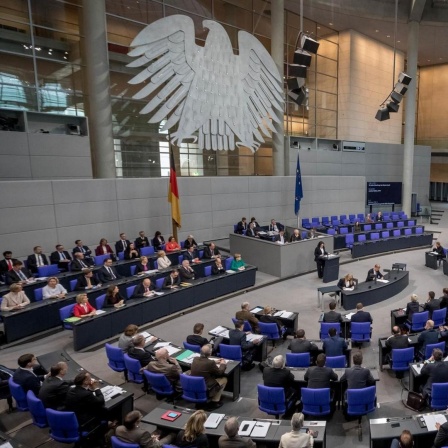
216, 98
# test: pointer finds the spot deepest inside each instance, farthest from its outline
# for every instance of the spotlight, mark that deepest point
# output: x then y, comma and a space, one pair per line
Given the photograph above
396, 97
295, 83
309, 44
392, 106
404, 78
299, 96
400, 88
298, 71
302, 57
382, 114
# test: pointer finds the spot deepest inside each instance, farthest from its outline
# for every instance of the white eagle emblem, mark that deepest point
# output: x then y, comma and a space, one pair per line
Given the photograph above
218, 99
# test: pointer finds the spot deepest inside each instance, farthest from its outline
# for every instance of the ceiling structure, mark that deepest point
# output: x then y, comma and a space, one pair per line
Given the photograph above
376, 19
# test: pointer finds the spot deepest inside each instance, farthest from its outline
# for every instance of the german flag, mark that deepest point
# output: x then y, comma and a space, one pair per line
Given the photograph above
173, 193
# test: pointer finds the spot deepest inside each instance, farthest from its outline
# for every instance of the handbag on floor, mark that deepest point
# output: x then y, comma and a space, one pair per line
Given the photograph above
415, 401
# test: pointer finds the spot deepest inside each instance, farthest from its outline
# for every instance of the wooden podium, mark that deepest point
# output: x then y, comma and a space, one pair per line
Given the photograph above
331, 268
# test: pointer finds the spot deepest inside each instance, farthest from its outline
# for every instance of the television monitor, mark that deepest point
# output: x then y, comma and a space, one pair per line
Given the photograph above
384, 193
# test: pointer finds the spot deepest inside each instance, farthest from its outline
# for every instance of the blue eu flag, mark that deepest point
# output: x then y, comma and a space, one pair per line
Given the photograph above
299, 188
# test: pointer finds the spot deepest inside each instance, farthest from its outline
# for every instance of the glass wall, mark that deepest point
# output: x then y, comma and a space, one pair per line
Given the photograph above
41, 68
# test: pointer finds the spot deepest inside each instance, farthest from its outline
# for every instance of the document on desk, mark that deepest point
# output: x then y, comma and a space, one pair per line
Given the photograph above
162, 344
257, 309
220, 331
260, 429
98, 312
418, 368
348, 289
349, 316
110, 392
431, 421
253, 337
157, 293
246, 427
381, 280
172, 350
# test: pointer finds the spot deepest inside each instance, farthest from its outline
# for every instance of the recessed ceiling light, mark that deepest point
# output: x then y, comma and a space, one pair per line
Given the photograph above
377, 31
388, 35
429, 60
440, 59
398, 41
330, 24
318, 27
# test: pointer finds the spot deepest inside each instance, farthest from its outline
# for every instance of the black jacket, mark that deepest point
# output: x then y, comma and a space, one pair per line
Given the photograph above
28, 380
278, 377
53, 392
358, 377
302, 346
86, 404
31, 262
320, 377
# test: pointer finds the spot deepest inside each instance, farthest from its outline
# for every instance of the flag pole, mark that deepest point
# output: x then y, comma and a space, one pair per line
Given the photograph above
173, 196
174, 228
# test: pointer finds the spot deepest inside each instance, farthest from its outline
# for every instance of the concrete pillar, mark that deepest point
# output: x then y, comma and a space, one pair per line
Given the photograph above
409, 128
278, 55
97, 87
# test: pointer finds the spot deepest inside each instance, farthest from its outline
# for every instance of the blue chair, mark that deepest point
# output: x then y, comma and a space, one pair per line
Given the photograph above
419, 231
360, 216
331, 232
316, 402
117, 443
395, 217
325, 326
37, 410
235, 227
182, 244
342, 217
228, 263
64, 313
335, 223
306, 223
374, 236
396, 233
194, 388
160, 384
315, 222
18, 394
411, 223
439, 317
325, 221
133, 269
304, 234
352, 218
64, 426
360, 331
38, 296
343, 230
439, 396
180, 259
73, 284
407, 232
133, 367
418, 321
233, 352
361, 402
155, 264
385, 234
47, 271
400, 224
349, 240
298, 359
120, 255
346, 222
336, 362
401, 358
147, 251
159, 282
334, 218
130, 290
99, 259
207, 271
378, 226
430, 347
361, 238
247, 326
115, 358
99, 301
389, 225
272, 400
269, 331
368, 227
200, 254
193, 347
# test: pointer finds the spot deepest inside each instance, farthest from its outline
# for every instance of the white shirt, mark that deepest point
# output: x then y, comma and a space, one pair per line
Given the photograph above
48, 292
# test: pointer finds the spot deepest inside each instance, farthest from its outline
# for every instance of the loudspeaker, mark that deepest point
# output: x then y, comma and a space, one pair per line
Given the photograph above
400, 88
382, 114
404, 78
392, 106
396, 97
295, 83
299, 71
302, 57
299, 96
309, 44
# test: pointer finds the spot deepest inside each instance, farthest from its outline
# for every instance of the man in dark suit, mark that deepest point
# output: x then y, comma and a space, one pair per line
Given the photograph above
436, 370
357, 377
268, 318
441, 439
121, 244
251, 231
86, 281
186, 272
36, 259
275, 226
428, 336
167, 366
86, 400
81, 248
379, 217
61, 257
141, 240
374, 273
144, 289
397, 340
30, 374
231, 439
432, 303
332, 316
54, 388
108, 273
190, 254
301, 345
361, 315
6, 263
196, 338
137, 351
210, 252
334, 345
172, 281
279, 376
238, 337
213, 375
241, 226
80, 262
319, 377
18, 274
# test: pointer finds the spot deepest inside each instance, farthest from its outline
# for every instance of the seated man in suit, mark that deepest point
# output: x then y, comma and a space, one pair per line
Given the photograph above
141, 240
357, 377
30, 373
245, 314
80, 262
361, 315
121, 244
6, 263
210, 252
301, 345
428, 336
18, 274
190, 241
268, 318
432, 303
212, 372
379, 217
144, 289
396, 340
138, 351
280, 376
86, 281
275, 226
172, 281
108, 273
61, 257
334, 345
295, 236
186, 272
238, 337
251, 231
281, 238
436, 371
332, 315
167, 365
218, 267
241, 226
374, 273
191, 254
54, 388
81, 248
196, 338
36, 259
231, 439
319, 377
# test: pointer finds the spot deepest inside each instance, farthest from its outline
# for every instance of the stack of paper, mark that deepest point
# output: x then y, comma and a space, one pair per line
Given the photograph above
253, 337
220, 331
382, 280
349, 316
110, 392
256, 310
431, 421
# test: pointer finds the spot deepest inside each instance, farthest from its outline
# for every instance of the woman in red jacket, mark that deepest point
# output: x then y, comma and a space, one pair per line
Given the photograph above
83, 307
103, 248
172, 245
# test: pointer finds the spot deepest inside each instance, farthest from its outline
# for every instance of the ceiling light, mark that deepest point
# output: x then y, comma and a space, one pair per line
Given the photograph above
330, 24
398, 41
388, 35
318, 27
377, 31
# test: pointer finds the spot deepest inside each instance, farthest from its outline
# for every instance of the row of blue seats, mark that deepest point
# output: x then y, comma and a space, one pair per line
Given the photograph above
369, 227
344, 220
350, 237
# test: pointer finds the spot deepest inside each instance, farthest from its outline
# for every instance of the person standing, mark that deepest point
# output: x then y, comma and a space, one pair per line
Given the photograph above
319, 254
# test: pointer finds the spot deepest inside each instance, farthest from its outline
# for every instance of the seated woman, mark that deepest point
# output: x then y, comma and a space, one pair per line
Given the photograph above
163, 261
158, 241
125, 340
412, 307
16, 299
368, 219
357, 227
131, 252
172, 245
217, 267
237, 264
103, 249
83, 308
295, 236
53, 290
143, 266
113, 298
194, 432
347, 282
190, 241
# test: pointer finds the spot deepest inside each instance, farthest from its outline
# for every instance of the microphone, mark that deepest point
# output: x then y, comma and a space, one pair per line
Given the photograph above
65, 357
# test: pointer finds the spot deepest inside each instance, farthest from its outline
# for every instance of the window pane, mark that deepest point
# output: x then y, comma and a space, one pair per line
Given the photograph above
328, 49
233, 15
326, 100
262, 25
327, 83
202, 8
122, 32
327, 66
140, 11
57, 15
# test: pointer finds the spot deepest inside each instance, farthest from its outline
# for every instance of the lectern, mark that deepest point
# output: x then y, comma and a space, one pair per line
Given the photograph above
331, 268
431, 260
